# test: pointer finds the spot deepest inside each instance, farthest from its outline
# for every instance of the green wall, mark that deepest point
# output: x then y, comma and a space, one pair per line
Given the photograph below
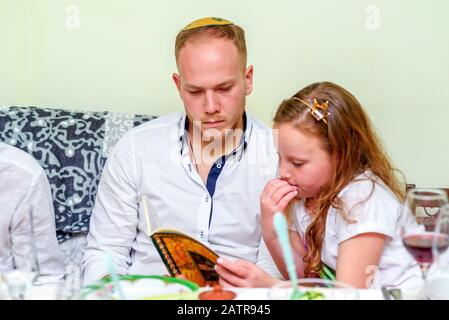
118, 55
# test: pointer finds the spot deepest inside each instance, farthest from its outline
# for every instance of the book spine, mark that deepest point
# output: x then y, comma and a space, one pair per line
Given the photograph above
166, 257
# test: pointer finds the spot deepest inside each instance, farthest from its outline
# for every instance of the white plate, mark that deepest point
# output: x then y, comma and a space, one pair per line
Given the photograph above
143, 289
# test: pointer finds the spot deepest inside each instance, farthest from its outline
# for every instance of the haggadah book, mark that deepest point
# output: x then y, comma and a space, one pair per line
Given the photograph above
183, 255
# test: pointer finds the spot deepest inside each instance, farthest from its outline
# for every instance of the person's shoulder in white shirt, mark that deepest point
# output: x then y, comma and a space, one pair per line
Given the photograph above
370, 206
24, 193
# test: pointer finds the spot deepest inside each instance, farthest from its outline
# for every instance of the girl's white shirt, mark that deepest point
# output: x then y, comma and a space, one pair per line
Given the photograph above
375, 209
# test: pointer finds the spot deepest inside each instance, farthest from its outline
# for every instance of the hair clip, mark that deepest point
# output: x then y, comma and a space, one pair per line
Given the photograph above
318, 111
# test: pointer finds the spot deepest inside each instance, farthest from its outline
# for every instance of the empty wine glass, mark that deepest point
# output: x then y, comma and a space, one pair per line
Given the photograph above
18, 282
314, 289
422, 208
25, 269
438, 284
441, 243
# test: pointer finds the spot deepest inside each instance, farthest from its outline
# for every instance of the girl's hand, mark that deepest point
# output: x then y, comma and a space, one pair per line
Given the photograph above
275, 197
242, 273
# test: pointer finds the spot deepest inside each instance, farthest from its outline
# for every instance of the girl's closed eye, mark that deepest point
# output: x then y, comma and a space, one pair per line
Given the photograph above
297, 164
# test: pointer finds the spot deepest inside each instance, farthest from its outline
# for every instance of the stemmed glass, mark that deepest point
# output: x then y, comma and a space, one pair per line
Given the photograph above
314, 289
439, 246
18, 282
26, 267
422, 209
438, 284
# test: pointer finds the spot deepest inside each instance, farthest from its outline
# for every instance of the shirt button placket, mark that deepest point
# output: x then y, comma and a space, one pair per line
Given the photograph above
203, 226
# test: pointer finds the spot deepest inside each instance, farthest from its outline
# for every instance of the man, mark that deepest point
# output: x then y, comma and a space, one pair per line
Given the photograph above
25, 195
200, 172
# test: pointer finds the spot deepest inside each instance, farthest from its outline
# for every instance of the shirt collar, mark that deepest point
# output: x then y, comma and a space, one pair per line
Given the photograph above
183, 133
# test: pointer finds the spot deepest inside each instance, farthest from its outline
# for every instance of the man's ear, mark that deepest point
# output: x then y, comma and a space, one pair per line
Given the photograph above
177, 80
249, 79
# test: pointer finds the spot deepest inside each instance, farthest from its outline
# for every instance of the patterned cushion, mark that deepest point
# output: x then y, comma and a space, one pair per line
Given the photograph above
72, 147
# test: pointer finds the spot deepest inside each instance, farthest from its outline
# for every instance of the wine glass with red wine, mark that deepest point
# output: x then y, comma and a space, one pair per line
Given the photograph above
419, 235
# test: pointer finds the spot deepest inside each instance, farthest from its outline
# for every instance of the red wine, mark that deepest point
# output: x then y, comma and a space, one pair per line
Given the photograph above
419, 245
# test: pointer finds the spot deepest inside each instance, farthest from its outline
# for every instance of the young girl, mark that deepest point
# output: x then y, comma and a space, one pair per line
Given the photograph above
338, 189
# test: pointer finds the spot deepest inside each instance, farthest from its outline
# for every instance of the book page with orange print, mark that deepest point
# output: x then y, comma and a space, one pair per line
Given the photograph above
186, 256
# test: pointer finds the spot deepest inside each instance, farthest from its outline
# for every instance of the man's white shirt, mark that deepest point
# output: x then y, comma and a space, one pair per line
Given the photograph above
151, 164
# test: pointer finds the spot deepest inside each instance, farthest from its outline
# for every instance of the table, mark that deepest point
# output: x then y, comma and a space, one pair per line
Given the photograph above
263, 293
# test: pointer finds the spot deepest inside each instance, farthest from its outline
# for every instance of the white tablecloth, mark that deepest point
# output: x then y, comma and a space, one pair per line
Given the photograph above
263, 294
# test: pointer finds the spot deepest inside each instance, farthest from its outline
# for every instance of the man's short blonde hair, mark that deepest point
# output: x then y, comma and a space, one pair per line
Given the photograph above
231, 32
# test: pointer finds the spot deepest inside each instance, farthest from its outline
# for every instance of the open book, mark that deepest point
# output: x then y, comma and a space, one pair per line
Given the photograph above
183, 255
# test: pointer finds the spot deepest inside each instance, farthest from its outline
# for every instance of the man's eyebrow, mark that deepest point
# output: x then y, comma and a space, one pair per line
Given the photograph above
221, 84
191, 86
225, 83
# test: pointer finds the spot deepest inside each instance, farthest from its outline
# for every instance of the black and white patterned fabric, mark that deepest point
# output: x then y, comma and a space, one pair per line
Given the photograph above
72, 147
